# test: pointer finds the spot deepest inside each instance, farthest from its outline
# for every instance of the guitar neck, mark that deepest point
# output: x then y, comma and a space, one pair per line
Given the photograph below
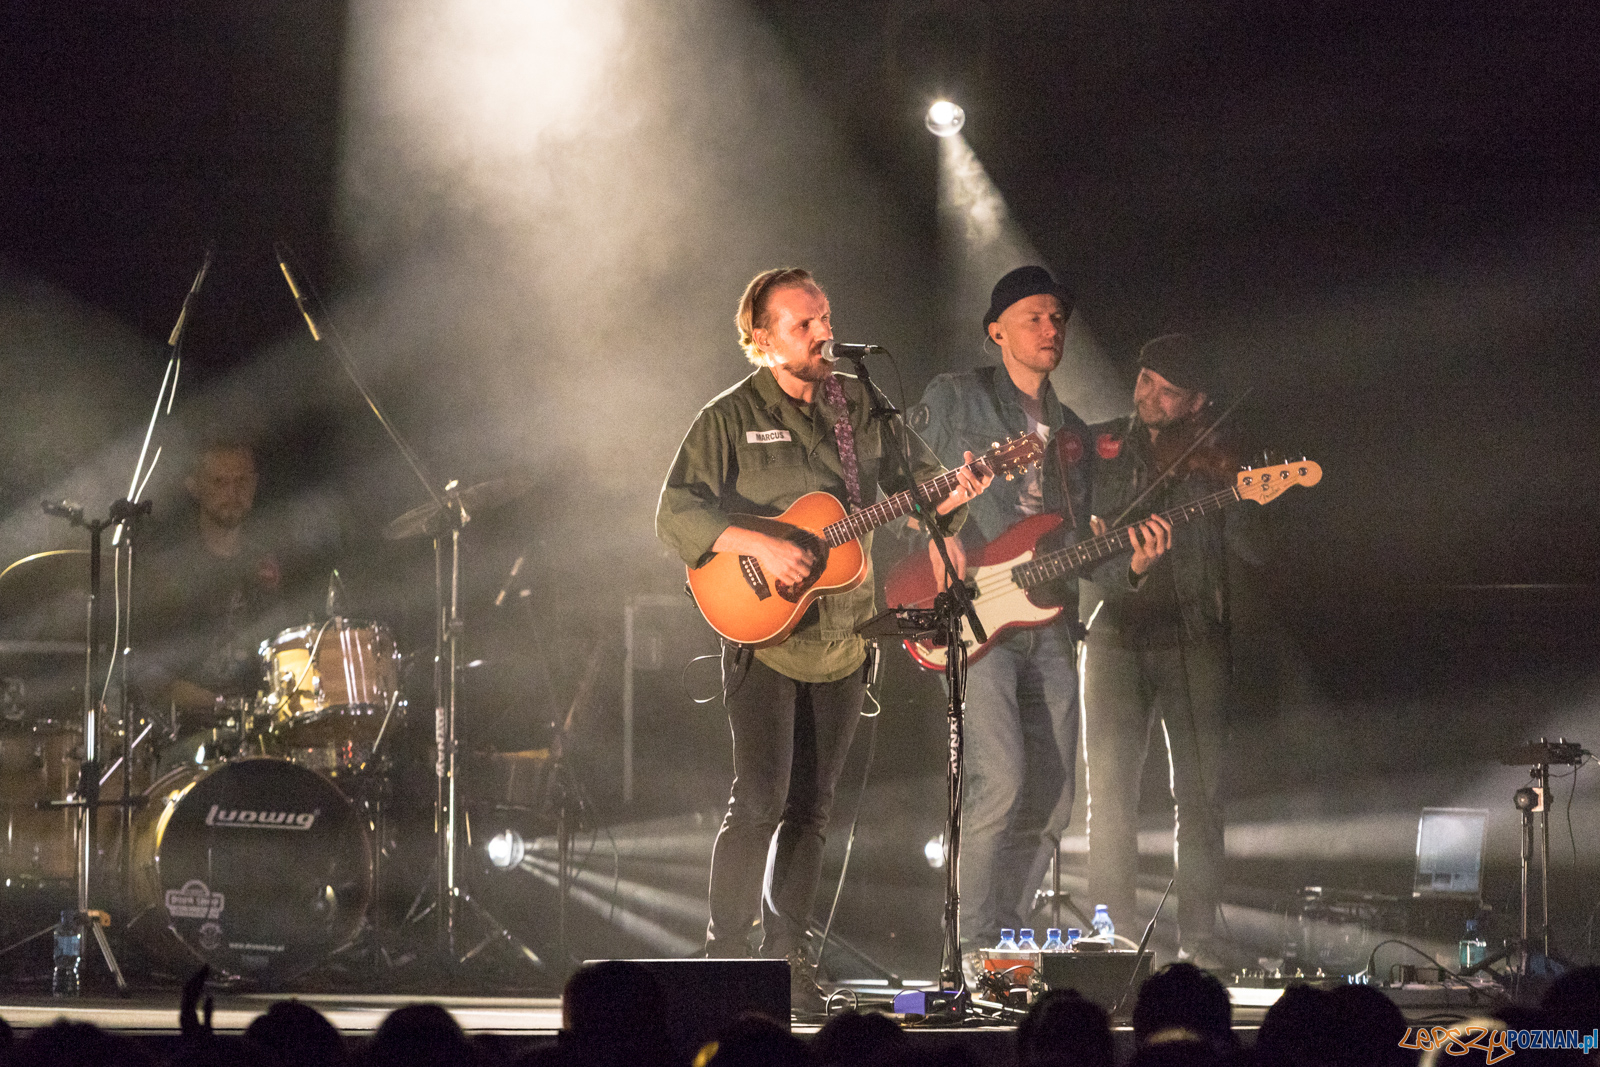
897, 506
1074, 558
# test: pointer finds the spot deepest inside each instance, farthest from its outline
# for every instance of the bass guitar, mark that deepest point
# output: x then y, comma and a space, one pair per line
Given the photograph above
1004, 573
742, 605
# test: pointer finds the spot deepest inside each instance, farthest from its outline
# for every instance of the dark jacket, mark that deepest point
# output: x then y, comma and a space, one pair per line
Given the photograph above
1187, 589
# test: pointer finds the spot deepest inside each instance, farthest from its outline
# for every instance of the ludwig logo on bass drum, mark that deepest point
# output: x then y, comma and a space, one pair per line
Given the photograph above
261, 820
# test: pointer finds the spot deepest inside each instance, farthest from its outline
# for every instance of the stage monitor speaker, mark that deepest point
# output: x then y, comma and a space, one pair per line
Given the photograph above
703, 996
1099, 976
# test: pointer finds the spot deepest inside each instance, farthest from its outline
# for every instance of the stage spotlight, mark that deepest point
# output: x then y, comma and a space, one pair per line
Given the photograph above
933, 852
945, 119
506, 849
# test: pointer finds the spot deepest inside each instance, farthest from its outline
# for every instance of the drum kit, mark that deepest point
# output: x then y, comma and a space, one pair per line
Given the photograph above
249, 838
254, 832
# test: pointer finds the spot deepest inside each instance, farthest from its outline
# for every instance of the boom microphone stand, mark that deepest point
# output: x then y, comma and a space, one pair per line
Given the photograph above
950, 607
443, 517
85, 800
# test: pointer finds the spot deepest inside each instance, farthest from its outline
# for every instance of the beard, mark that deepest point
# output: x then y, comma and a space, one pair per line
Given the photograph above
814, 369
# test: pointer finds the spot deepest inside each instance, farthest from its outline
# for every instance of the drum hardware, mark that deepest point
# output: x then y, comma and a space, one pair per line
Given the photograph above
446, 512
85, 799
122, 519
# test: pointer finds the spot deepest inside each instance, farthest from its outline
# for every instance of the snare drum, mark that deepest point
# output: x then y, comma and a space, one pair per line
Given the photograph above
331, 688
38, 761
257, 867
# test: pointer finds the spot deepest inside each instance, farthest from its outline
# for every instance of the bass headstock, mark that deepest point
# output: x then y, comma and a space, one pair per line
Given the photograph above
1263, 484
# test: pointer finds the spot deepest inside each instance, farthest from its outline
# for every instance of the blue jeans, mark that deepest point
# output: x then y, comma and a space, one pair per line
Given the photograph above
1020, 768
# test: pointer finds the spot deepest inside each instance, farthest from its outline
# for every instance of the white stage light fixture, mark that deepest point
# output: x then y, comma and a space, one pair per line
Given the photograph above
933, 852
945, 119
506, 849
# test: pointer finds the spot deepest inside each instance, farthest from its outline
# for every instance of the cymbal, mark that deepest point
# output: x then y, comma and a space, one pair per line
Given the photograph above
429, 518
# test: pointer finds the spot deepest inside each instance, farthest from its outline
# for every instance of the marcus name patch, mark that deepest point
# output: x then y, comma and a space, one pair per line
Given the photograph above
766, 437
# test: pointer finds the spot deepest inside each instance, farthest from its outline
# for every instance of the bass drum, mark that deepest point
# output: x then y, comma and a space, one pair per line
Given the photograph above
257, 867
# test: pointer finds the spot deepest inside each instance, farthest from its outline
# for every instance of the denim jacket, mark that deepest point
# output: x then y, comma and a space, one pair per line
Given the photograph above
969, 412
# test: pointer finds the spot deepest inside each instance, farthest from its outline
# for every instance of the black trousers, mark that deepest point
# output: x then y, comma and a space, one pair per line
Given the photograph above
1132, 686
790, 740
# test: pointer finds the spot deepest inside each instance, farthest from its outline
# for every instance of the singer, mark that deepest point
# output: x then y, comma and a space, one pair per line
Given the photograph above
791, 427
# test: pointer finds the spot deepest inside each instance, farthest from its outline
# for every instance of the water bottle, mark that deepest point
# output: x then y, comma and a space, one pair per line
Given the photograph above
1008, 940
69, 954
1052, 940
1027, 943
1473, 948
1073, 934
1102, 923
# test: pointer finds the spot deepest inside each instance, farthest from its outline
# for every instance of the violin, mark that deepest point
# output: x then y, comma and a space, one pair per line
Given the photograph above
1218, 457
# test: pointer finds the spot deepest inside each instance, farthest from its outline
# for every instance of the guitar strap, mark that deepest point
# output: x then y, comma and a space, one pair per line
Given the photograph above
844, 435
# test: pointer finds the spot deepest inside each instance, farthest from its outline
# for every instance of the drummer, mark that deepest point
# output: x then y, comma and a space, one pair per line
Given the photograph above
213, 594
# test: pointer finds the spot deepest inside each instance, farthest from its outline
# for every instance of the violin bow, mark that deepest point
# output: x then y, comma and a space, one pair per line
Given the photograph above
1118, 521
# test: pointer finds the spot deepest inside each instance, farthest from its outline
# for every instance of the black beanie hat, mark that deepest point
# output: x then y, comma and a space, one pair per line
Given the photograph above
1181, 360
1021, 284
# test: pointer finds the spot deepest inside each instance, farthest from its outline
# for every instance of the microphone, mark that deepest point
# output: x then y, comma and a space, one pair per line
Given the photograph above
194, 291
63, 509
832, 350
335, 598
294, 290
516, 569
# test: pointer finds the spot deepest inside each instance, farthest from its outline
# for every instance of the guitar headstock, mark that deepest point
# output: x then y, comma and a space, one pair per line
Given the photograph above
1262, 484
1012, 456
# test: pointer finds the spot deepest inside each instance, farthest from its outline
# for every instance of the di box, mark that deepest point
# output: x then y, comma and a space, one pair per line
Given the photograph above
703, 996
1099, 976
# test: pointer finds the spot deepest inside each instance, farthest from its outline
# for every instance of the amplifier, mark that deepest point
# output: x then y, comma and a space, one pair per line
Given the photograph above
1099, 976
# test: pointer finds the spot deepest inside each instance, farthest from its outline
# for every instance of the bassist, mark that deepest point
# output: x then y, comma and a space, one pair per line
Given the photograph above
1022, 696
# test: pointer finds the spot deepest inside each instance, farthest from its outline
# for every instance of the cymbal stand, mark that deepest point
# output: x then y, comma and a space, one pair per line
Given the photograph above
950, 608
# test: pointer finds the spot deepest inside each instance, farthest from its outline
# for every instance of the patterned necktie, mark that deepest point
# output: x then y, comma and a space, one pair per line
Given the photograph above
844, 435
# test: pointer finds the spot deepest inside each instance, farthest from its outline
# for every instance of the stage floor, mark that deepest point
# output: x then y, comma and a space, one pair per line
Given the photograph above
355, 1015
520, 1022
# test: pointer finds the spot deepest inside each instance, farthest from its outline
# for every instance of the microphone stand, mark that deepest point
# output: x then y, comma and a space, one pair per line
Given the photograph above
950, 608
450, 896
85, 800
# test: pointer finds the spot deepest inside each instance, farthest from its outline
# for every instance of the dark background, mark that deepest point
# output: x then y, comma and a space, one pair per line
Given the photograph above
1386, 212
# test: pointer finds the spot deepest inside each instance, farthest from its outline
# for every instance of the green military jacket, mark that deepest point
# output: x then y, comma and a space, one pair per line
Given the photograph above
756, 451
